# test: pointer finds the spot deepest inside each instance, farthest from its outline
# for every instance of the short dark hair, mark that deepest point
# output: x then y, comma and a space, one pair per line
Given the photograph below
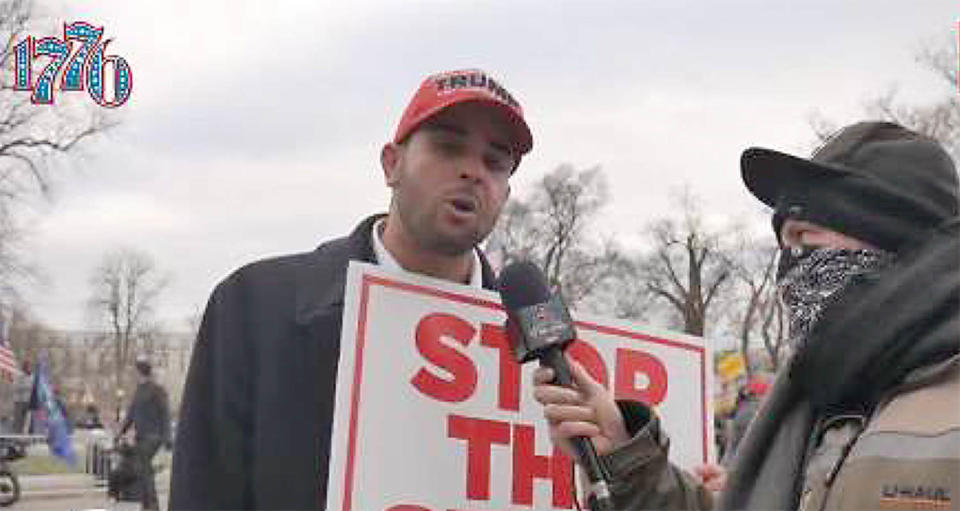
143, 368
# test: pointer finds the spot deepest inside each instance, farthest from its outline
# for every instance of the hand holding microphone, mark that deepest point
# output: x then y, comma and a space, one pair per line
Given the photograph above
540, 328
587, 410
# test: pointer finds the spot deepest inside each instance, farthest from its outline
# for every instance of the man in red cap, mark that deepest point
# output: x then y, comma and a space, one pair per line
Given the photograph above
255, 423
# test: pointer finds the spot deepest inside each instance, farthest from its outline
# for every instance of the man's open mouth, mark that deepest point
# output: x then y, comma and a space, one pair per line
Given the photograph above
464, 205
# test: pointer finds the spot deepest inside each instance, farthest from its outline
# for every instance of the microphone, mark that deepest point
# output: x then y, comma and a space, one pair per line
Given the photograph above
540, 328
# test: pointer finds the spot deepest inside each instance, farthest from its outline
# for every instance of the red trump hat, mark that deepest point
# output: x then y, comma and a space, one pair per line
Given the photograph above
443, 90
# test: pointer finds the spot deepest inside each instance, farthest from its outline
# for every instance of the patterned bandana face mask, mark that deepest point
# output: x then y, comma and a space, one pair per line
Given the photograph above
810, 277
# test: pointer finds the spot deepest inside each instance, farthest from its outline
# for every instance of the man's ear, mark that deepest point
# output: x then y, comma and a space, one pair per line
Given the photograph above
389, 158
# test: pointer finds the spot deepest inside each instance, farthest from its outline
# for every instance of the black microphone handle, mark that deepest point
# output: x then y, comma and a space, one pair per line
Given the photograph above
597, 474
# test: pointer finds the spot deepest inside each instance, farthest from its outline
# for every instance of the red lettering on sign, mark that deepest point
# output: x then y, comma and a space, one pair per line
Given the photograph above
587, 356
480, 435
431, 329
508, 390
527, 466
651, 388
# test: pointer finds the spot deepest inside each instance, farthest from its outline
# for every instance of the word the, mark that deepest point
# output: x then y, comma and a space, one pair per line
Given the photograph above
482, 434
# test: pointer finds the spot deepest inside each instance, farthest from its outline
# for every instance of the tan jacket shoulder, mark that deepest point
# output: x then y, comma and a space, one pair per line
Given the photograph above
908, 457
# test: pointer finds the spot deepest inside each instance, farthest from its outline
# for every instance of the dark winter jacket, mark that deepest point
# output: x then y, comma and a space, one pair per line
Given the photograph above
864, 417
257, 411
149, 412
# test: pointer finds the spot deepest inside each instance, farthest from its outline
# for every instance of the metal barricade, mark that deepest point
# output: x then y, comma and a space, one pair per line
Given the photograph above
99, 460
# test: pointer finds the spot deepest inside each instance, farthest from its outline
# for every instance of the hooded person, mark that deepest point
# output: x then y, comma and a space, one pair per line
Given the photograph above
865, 413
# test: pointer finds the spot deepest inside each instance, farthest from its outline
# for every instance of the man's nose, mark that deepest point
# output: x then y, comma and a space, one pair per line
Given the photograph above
471, 167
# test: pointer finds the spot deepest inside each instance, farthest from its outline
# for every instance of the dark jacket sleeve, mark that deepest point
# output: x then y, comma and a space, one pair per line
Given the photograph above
128, 416
212, 453
163, 402
641, 475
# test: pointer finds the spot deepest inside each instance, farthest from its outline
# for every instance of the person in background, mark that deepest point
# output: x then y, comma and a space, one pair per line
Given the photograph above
149, 414
22, 394
91, 418
865, 413
748, 402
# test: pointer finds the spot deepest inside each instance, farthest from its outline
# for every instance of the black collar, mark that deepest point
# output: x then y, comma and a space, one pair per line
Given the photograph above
326, 270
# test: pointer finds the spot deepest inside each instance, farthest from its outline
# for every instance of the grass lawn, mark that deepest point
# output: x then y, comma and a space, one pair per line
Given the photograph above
45, 464
39, 461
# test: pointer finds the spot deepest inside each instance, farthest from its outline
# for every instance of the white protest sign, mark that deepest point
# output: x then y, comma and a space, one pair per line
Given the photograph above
433, 414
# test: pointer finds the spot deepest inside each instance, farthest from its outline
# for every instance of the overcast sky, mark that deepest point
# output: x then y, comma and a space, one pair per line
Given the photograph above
254, 128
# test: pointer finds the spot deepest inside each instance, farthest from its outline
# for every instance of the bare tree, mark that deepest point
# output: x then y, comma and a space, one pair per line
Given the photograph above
34, 141
28, 336
32, 137
774, 328
516, 236
568, 199
193, 322
759, 311
755, 273
125, 287
622, 295
550, 229
16, 268
687, 266
939, 119
822, 127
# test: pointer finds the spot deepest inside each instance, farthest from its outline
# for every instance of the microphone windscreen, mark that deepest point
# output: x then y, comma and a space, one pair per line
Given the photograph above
522, 284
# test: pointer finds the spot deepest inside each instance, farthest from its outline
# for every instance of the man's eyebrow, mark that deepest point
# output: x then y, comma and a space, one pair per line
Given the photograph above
448, 128
500, 146
459, 131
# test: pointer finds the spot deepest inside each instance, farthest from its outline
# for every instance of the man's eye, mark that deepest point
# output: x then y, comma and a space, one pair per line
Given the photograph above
499, 163
449, 146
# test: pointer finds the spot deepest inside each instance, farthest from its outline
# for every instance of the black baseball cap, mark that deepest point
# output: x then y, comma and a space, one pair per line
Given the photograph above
875, 181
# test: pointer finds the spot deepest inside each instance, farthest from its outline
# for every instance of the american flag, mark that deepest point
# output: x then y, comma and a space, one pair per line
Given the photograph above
8, 361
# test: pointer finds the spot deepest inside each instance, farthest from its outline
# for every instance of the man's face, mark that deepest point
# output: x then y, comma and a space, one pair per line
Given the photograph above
797, 234
450, 178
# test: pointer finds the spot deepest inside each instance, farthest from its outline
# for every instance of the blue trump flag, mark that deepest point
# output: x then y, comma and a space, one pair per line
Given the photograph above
50, 416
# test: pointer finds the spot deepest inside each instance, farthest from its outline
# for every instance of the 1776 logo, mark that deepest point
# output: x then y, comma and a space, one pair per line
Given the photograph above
83, 69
